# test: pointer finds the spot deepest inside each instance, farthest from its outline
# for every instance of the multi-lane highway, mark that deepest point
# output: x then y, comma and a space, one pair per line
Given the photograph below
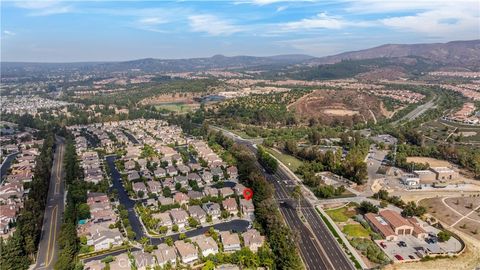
48, 248
318, 247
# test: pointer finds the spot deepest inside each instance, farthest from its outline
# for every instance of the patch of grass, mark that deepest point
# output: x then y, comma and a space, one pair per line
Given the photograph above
355, 230
175, 107
340, 214
290, 161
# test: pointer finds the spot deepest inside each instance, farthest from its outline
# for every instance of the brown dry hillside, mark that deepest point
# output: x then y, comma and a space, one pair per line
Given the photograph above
338, 106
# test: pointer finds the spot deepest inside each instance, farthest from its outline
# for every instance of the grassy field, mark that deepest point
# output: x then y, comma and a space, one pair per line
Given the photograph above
355, 230
176, 107
290, 161
340, 214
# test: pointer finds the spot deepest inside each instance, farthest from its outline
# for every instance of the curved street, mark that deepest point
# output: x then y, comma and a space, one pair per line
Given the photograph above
238, 225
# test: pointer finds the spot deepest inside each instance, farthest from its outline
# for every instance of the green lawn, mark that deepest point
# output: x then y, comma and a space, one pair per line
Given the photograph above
175, 107
290, 161
340, 214
355, 230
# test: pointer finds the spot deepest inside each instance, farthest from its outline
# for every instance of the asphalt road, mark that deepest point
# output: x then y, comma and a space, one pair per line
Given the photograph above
318, 247
48, 248
418, 111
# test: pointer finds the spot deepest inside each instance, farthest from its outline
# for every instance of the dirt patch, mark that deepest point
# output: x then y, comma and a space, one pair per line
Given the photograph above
432, 161
338, 106
339, 112
463, 205
469, 226
468, 133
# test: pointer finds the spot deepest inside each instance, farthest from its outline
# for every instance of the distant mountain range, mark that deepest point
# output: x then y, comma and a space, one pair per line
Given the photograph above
455, 53
452, 54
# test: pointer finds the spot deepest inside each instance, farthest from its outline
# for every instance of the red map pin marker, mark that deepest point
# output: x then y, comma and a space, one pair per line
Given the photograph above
247, 193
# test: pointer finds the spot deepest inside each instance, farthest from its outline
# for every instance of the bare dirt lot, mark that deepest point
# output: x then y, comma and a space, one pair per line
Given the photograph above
449, 213
330, 106
469, 259
432, 161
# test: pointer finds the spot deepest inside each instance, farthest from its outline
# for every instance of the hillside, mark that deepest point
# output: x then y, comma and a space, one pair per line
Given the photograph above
465, 53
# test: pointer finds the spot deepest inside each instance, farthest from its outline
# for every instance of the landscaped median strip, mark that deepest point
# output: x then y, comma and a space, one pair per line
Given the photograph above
354, 257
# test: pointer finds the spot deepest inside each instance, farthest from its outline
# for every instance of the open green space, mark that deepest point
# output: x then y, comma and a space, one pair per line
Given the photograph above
340, 214
175, 107
290, 161
355, 230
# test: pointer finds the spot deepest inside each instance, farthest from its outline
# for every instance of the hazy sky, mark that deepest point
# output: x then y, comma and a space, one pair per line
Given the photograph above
62, 31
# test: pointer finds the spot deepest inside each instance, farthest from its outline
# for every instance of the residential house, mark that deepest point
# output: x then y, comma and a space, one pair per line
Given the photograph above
154, 186
253, 240
195, 195
238, 189
180, 198
210, 191
197, 213
105, 239
230, 241
165, 254
206, 245
143, 260
164, 219
165, 200
172, 171
121, 262
139, 186
212, 209
232, 173
160, 172
226, 192
179, 217
230, 205
133, 176
247, 208
187, 251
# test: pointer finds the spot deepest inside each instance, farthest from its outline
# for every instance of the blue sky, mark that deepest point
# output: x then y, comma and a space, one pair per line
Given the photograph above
64, 31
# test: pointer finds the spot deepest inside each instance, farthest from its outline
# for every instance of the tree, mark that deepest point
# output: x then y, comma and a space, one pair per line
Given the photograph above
83, 211
367, 207
193, 223
169, 241
182, 236
167, 192
175, 228
443, 236
209, 265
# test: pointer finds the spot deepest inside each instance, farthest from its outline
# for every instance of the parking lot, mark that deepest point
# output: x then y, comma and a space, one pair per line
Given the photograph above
415, 248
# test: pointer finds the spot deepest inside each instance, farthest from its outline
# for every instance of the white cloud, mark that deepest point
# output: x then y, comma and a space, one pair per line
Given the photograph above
152, 21
268, 2
212, 25
44, 7
321, 21
281, 8
445, 23
382, 6
9, 33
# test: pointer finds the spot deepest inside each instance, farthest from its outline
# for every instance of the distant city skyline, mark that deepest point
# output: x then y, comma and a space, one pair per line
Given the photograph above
70, 31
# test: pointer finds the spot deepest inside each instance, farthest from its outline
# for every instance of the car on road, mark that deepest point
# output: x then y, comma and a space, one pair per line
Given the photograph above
402, 244
398, 257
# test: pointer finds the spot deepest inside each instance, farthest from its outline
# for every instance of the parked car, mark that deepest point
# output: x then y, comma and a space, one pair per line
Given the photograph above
398, 257
411, 257
402, 244
382, 244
